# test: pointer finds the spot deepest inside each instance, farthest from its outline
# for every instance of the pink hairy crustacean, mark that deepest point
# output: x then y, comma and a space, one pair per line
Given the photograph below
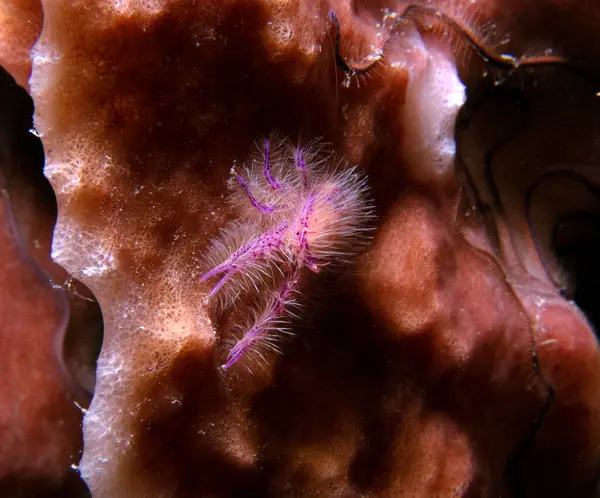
301, 215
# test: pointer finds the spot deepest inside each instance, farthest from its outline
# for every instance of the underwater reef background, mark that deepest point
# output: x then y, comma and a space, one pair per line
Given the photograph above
454, 353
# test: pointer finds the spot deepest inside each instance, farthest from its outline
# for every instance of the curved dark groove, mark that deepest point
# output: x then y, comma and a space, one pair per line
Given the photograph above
581, 263
463, 121
339, 59
82, 341
515, 460
481, 207
488, 164
593, 189
499, 60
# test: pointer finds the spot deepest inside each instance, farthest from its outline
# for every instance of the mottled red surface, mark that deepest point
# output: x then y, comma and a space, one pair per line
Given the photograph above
416, 375
39, 424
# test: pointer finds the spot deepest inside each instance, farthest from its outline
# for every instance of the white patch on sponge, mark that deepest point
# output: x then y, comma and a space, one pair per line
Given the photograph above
129, 7
434, 96
81, 253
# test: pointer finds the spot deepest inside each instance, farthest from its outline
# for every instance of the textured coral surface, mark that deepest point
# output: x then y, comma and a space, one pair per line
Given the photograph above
449, 360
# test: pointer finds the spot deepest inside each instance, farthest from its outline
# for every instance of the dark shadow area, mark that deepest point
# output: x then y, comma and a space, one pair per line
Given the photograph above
31, 487
577, 246
529, 155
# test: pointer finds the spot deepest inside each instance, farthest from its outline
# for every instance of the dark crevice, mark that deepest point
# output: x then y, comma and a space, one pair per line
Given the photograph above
514, 467
34, 209
576, 241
